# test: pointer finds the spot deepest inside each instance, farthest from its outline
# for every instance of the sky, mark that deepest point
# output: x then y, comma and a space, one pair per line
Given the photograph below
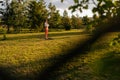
65, 5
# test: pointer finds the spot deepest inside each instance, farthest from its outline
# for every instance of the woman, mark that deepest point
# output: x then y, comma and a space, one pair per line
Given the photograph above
46, 29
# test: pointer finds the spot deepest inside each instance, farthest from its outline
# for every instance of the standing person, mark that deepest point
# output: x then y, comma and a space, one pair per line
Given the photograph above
46, 29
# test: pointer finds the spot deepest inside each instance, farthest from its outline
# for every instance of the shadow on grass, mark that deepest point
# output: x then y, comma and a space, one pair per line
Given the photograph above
108, 67
14, 72
9, 72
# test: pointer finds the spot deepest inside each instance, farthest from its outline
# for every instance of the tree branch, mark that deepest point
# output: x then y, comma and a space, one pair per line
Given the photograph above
94, 2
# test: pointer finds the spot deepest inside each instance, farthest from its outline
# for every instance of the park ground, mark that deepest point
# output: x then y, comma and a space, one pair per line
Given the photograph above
26, 56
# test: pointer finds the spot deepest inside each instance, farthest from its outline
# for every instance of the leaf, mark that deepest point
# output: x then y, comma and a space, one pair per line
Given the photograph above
80, 9
62, 0
85, 7
76, 1
94, 10
73, 8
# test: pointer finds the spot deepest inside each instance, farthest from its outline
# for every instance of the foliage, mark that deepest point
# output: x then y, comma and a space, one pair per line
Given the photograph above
89, 28
3, 32
54, 16
6, 17
37, 13
76, 22
85, 20
32, 14
115, 41
66, 21
102, 7
104, 10
14, 16
88, 23
19, 16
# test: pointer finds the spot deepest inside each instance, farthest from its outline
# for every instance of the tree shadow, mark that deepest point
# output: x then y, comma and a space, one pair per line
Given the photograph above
107, 67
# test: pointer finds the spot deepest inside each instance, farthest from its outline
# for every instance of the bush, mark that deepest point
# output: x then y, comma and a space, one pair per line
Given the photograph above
61, 27
89, 28
67, 27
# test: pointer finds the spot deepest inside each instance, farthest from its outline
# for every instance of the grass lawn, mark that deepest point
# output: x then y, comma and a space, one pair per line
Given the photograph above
25, 56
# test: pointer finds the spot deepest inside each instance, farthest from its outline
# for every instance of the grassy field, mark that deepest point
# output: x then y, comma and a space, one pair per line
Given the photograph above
25, 56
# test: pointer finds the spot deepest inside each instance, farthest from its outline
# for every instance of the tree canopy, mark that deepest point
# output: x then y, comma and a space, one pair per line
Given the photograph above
102, 8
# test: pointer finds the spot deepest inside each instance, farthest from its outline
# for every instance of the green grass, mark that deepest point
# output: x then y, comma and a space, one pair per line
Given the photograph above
24, 56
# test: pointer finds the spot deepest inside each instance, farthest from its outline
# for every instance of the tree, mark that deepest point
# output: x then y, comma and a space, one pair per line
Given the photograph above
6, 16
66, 21
14, 16
76, 22
85, 20
106, 12
19, 16
54, 16
88, 23
104, 8
37, 13
65, 13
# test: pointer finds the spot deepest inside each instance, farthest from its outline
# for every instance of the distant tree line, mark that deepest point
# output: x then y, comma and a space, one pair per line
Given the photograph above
31, 14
